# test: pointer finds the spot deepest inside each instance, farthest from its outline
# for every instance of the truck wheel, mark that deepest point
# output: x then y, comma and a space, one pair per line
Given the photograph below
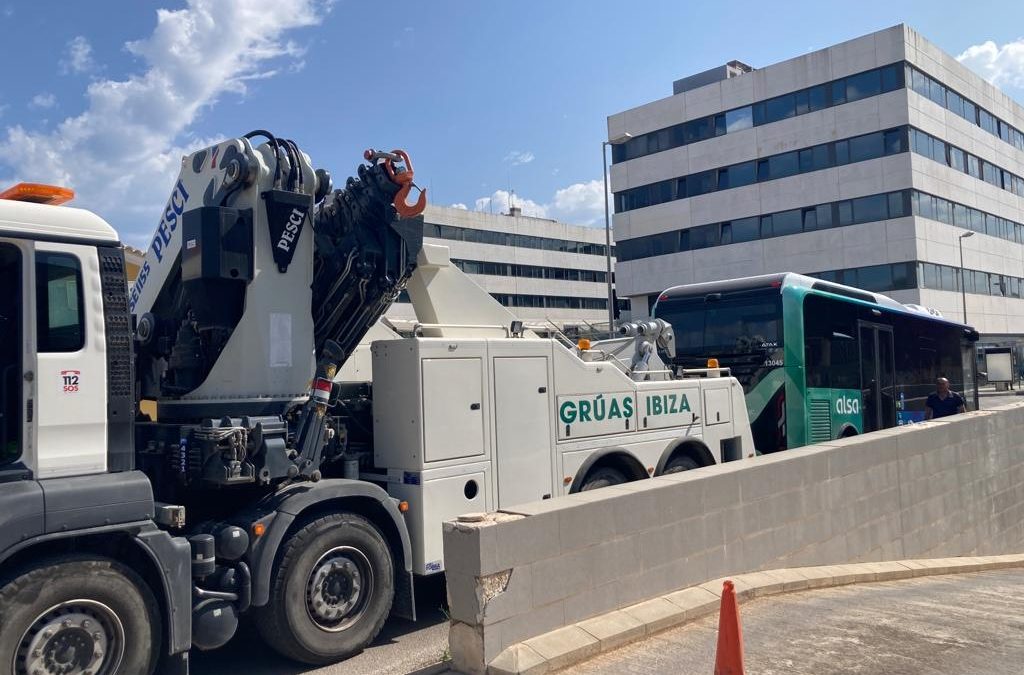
680, 463
603, 477
331, 592
74, 616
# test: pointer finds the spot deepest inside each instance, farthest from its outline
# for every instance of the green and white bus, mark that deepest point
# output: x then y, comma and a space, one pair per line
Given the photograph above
819, 360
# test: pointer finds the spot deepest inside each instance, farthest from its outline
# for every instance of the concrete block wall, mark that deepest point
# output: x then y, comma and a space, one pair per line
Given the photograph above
943, 488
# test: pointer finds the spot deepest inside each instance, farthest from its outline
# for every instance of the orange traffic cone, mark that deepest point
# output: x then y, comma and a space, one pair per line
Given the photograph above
729, 656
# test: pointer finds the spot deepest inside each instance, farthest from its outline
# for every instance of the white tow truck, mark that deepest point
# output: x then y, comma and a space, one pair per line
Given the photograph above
299, 457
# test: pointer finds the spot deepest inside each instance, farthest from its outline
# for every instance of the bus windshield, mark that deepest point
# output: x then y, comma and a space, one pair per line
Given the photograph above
722, 324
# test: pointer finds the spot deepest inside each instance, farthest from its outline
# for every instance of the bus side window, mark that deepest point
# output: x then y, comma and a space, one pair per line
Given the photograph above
832, 359
816, 360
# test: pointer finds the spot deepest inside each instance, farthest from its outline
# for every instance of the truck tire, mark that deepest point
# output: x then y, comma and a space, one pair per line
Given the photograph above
680, 463
603, 477
78, 615
331, 592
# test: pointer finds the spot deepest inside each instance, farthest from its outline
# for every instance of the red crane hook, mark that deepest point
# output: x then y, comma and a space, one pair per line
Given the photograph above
401, 174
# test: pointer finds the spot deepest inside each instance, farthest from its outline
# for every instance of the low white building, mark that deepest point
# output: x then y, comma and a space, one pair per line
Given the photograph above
545, 271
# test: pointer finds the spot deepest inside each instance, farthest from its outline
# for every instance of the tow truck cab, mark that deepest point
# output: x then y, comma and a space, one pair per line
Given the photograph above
71, 497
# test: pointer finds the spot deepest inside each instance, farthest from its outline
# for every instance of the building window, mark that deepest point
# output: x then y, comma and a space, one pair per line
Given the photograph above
817, 98
786, 222
897, 204
868, 209
845, 210
738, 119
810, 219
864, 85
746, 229
824, 215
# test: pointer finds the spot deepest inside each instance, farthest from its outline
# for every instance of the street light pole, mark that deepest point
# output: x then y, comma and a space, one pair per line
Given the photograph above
963, 280
608, 226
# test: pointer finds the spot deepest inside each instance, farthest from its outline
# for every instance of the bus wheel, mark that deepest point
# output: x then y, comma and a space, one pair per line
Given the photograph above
331, 592
603, 477
680, 463
78, 616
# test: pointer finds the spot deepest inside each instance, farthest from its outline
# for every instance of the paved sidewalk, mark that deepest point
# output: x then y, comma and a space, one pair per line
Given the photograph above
964, 623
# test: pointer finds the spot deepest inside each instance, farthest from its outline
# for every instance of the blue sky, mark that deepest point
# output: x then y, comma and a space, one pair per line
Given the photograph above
106, 96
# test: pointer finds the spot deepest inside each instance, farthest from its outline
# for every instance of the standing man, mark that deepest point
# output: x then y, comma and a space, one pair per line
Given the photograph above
943, 402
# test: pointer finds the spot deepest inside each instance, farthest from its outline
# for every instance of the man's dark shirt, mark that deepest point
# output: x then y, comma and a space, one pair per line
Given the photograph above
945, 407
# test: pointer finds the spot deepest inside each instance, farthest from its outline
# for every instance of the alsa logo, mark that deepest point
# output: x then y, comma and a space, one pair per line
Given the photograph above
667, 404
597, 409
164, 234
291, 229
69, 380
846, 405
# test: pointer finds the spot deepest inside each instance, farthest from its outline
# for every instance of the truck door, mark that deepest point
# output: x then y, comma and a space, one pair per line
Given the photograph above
70, 377
522, 429
12, 303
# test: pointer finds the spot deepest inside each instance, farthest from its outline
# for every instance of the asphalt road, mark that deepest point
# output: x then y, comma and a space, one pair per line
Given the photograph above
967, 623
402, 647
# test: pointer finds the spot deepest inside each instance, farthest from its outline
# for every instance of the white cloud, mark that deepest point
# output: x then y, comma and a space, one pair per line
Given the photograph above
78, 57
121, 154
517, 157
579, 204
1001, 65
459, 205
41, 101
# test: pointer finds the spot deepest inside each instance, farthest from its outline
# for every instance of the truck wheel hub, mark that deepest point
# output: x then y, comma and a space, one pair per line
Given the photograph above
80, 637
338, 589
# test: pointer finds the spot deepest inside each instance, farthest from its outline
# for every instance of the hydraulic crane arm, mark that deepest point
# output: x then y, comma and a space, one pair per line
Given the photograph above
256, 264
364, 252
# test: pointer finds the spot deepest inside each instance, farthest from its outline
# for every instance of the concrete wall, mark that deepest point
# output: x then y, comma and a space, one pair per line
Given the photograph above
945, 488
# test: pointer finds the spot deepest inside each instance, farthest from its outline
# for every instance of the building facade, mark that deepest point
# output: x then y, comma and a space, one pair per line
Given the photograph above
543, 270
870, 163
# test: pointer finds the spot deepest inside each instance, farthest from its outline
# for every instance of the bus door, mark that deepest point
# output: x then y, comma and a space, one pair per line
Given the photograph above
877, 376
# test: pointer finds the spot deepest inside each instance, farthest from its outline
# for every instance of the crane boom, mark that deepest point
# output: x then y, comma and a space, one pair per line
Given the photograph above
255, 265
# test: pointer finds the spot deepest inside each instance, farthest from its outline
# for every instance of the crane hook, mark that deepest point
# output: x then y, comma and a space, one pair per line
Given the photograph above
399, 169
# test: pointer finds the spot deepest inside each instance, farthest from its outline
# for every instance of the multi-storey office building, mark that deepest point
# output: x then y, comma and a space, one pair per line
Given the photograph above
870, 163
543, 270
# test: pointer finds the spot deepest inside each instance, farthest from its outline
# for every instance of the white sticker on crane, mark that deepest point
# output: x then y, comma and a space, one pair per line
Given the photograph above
280, 340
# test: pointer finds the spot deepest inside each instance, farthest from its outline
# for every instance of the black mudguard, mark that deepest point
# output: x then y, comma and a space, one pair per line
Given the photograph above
278, 512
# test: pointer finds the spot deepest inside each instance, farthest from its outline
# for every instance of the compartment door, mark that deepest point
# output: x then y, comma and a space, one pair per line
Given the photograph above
453, 416
522, 429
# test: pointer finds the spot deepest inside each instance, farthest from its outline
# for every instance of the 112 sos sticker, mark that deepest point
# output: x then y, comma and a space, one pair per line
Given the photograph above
69, 379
